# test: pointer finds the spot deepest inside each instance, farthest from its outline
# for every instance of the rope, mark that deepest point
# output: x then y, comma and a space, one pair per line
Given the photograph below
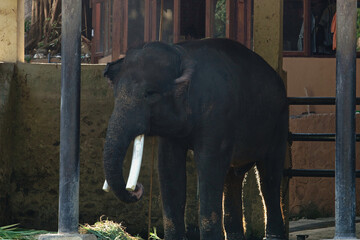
153, 139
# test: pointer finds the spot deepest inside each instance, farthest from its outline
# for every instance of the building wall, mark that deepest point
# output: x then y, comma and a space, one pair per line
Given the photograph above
315, 197
6, 114
11, 30
313, 77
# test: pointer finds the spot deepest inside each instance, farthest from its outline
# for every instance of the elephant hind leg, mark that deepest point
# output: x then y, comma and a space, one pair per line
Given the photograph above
233, 215
271, 172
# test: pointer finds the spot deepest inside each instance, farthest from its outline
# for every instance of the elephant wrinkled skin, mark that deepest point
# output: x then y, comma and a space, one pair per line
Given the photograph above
219, 99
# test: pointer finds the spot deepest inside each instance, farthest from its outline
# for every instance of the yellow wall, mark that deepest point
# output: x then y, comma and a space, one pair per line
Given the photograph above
11, 30
267, 31
267, 42
313, 77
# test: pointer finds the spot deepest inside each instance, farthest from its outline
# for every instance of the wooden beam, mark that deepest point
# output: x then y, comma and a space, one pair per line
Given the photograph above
209, 18
116, 30
125, 26
307, 27
241, 33
248, 24
147, 21
177, 5
154, 21
230, 19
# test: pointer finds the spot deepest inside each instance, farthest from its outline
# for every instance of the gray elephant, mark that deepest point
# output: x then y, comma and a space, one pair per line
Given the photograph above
219, 99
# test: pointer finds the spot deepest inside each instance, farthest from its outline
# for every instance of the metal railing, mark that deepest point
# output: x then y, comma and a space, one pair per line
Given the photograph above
315, 137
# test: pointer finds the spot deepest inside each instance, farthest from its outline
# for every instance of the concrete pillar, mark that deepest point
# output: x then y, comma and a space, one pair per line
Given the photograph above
12, 30
268, 43
268, 31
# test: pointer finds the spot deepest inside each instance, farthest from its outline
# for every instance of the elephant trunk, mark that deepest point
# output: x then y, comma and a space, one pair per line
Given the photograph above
117, 142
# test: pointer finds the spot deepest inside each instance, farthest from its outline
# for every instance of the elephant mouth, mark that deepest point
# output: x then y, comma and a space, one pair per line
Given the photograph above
135, 189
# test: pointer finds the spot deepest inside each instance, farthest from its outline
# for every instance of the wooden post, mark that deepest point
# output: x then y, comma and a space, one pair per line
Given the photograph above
125, 21
209, 18
70, 117
177, 20
154, 21
147, 21
231, 24
116, 30
267, 41
345, 194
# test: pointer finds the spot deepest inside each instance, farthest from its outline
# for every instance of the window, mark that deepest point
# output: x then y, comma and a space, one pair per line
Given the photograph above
308, 27
136, 17
102, 28
294, 25
121, 24
220, 19
231, 19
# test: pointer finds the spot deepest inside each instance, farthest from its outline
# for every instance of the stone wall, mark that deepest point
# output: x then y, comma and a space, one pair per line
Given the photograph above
30, 153
6, 114
315, 197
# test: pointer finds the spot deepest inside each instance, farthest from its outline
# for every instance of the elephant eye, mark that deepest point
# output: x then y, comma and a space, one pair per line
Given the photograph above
150, 93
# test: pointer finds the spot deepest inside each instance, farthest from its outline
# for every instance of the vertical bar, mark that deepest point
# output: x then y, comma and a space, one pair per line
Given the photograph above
161, 19
177, 20
116, 30
345, 120
106, 37
96, 25
154, 21
307, 25
241, 17
248, 23
230, 19
147, 21
70, 117
209, 18
126, 25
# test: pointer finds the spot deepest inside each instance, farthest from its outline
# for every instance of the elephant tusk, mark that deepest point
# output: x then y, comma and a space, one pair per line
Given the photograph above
106, 187
135, 163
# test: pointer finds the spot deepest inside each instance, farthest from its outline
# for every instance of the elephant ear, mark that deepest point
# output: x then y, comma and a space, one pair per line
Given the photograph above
112, 69
187, 66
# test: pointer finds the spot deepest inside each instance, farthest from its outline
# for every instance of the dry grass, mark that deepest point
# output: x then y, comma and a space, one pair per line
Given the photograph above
103, 230
107, 230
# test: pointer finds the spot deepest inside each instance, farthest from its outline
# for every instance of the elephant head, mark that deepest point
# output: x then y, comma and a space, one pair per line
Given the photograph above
149, 86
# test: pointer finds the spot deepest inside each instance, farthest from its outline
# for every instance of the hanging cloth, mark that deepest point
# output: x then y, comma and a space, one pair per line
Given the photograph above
333, 30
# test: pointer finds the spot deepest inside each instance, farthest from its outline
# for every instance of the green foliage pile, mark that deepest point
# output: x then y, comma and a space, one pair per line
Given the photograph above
12, 232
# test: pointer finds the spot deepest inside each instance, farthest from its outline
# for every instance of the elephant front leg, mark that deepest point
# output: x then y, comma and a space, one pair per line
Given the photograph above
172, 176
212, 168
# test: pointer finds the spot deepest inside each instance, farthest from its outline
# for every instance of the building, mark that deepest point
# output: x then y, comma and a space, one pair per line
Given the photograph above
259, 24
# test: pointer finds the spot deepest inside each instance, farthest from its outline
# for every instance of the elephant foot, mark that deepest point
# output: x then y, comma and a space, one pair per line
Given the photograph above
274, 237
235, 236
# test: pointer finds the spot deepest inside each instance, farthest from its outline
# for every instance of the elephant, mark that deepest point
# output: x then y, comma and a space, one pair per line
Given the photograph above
213, 96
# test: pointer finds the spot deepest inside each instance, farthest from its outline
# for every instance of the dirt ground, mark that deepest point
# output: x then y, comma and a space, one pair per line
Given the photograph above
316, 229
